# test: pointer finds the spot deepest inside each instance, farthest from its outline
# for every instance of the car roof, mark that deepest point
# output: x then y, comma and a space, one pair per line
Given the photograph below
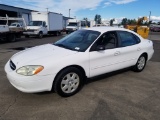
106, 28
109, 28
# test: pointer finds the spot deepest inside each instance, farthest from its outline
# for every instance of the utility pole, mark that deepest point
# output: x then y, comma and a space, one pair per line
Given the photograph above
149, 16
69, 12
47, 9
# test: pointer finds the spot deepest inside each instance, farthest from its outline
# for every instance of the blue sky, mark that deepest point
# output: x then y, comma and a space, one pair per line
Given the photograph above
108, 9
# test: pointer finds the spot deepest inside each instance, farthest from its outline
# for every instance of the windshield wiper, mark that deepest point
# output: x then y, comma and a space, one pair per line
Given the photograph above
63, 46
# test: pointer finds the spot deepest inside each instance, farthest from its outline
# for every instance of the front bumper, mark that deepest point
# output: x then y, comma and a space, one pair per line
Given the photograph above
29, 84
70, 30
31, 33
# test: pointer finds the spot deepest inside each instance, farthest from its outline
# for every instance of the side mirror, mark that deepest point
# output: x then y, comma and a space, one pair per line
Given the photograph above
100, 47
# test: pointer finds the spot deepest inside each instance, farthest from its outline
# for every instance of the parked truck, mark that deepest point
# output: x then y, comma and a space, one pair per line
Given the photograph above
8, 33
44, 23
73, 25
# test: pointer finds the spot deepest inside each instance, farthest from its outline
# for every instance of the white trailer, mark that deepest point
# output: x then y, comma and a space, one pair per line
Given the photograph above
92, 23
8, 33
44, 23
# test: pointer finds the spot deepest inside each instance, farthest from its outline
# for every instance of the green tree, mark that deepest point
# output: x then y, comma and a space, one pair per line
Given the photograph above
111, 22
134, 22
97, 18
124, 21
86, 21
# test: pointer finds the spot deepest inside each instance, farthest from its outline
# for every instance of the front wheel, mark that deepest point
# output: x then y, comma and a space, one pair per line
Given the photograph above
68, 82
26, 36
141, 63
40, 35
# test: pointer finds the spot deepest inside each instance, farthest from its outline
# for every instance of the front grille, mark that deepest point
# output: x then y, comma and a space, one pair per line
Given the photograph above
12, 65
30, 30
70, 29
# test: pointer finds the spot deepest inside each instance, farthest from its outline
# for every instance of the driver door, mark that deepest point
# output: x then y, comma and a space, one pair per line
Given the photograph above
105, 54
45, 30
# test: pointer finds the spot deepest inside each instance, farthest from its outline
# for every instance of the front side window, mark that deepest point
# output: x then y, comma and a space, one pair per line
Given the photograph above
79, 40
13, 24
128, 39
108, 41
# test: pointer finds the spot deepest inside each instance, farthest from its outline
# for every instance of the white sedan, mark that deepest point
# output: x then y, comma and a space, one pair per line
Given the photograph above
64, 65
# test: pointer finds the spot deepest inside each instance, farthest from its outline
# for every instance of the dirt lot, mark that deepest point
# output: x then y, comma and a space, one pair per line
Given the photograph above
122, 95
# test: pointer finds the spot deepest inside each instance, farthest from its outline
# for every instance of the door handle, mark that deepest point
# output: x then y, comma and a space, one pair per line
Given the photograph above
116, 53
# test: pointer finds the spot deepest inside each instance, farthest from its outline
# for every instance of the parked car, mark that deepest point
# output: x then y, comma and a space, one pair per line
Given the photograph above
155, 29
64, 65
15, 25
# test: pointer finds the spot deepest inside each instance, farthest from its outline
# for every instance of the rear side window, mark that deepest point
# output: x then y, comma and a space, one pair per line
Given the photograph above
128, 39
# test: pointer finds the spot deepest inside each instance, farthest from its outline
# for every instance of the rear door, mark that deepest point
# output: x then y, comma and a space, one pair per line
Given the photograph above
130, 47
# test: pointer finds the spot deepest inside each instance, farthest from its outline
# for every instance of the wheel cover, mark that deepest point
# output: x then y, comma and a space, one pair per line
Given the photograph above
40, 35
141, 63
70, 82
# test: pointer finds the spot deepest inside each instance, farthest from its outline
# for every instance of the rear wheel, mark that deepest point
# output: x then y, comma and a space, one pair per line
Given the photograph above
141, 63
26, 36
68, 82
11, 37
57, 33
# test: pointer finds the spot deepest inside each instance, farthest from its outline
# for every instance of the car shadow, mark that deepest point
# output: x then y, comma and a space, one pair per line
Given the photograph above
44, 93
91, 80
107, 75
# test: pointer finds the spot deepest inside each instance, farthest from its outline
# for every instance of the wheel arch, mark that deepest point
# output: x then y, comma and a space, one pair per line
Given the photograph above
145, 54
41, 31
75, 66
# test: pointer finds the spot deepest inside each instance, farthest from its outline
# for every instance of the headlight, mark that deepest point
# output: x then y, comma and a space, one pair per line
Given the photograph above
30, 70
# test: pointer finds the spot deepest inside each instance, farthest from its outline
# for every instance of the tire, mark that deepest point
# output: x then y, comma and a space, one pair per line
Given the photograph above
40, 35
68, 82
141, 63
26, 36
67, 32
11, 37
57, 33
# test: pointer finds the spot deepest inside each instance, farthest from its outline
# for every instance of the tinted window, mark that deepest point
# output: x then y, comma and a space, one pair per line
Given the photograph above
108, 40
128, 39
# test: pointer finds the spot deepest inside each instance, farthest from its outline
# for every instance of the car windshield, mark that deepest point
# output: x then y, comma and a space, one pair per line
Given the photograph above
13, 24
35, 23
79, 40
72, 24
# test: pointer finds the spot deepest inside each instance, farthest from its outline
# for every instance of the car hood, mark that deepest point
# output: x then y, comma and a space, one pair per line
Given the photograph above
37, 54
